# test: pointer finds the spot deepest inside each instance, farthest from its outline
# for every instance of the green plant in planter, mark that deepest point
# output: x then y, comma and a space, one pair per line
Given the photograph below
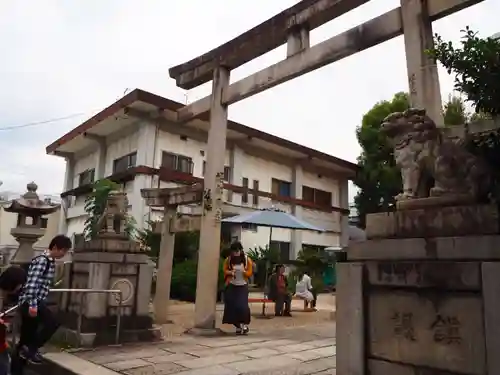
265, 258
315, 262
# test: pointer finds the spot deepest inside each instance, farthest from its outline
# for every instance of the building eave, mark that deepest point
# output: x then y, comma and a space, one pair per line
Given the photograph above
161, 104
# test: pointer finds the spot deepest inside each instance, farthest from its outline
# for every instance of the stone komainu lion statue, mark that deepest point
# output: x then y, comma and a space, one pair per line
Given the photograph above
432, 165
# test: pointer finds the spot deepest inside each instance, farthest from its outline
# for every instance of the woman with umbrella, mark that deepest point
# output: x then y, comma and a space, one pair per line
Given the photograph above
237, 271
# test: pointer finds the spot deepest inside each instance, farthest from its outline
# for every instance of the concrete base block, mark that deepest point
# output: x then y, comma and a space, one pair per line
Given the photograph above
70, 337
434, 221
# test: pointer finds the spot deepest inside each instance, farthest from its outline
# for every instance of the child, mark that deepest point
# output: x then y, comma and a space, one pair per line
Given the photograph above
11, 281
38, 324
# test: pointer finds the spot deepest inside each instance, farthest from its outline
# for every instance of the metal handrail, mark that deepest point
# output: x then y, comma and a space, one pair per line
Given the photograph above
84, 292
8, 311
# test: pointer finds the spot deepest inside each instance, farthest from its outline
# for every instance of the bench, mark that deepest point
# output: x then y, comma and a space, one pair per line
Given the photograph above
265, 301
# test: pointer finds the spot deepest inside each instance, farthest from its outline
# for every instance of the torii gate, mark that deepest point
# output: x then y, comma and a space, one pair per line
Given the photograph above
292, 26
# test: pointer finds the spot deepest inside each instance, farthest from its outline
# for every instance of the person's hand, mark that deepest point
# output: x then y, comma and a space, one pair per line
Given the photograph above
233, 273
33, 311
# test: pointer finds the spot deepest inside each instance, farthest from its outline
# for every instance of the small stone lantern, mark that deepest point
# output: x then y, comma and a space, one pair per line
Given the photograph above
29, 209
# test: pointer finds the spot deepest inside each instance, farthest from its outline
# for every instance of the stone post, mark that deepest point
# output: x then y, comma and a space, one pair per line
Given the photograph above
344, 217
164, 269
208, 258
68, 185
423, 75
297, 183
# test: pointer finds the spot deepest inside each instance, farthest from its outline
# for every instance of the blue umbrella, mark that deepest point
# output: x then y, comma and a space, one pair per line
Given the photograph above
272, 218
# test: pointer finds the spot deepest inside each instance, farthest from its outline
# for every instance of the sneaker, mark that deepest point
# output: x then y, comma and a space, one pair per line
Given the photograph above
33, 358
239, 331
287, 314
37, 358
245, 330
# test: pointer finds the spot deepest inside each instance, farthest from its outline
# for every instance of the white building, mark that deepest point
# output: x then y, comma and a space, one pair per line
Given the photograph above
136, 142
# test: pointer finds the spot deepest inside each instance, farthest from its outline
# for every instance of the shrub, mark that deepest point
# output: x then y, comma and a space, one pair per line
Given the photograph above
183, 285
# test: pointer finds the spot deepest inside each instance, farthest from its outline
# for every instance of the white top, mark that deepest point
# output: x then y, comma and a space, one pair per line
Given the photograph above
239, 275
303, 285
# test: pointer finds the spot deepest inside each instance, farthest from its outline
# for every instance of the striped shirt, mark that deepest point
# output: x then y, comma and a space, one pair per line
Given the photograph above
39, 280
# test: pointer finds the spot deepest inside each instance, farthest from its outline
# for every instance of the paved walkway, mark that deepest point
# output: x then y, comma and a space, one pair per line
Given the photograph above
292, 351
182, 315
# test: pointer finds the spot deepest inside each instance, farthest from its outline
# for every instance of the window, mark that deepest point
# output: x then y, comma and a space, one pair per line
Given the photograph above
227, 171
227, 174
283, 248
124, 163
282, 188
323, 198
319, 197
255, 194
307, 194
249, 227
44, 222
86, 177
177, 163
244, 196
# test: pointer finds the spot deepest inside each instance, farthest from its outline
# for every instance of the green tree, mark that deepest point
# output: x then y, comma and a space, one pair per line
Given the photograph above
476, 66
454, 111
379, 179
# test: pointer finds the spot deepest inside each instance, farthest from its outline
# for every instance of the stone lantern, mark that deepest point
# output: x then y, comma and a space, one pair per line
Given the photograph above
29, 209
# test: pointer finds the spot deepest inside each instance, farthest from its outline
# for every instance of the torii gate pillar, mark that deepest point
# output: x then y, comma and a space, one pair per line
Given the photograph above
423, 76
209, 255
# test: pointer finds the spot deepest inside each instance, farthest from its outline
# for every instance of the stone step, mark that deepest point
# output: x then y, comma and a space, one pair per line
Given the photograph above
62, 363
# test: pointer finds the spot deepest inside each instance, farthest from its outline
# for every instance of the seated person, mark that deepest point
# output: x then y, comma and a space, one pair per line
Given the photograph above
304, 290
278, 292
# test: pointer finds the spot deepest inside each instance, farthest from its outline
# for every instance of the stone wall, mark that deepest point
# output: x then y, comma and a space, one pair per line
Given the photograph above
422, 303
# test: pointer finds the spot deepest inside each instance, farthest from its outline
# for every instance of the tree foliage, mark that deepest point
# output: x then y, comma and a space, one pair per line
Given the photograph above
476, 65
379, 179
185, 246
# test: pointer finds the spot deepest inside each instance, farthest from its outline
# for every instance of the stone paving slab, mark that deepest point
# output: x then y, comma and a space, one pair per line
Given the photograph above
297, 351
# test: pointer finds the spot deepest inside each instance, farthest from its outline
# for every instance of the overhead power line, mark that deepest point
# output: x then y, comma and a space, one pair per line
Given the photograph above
36, 123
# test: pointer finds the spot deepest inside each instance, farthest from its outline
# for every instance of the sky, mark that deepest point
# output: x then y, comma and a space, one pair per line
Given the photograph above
70, 59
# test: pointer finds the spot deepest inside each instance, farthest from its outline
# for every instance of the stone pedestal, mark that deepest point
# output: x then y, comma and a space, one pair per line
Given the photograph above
108, 264
421, 302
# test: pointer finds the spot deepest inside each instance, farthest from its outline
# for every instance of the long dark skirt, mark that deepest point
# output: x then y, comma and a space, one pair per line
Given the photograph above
236, 309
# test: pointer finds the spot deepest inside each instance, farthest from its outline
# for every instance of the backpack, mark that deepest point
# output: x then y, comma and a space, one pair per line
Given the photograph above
26, 266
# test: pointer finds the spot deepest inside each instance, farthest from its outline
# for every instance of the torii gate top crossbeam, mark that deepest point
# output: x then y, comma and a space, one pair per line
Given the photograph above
307, 14
259, 40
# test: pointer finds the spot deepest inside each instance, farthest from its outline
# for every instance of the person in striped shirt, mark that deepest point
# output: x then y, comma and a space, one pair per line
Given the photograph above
38, 324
